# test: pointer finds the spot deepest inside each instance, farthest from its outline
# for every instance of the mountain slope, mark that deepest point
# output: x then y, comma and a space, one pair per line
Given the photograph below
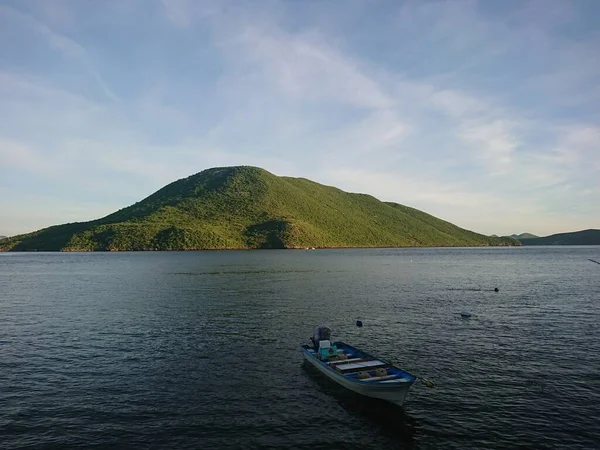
248, 207
585, 237
524, 236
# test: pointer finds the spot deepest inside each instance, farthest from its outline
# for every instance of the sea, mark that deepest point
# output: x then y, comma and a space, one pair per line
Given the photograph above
200, 350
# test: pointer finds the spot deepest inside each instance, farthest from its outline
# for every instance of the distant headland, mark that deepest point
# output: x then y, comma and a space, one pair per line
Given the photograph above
584, 237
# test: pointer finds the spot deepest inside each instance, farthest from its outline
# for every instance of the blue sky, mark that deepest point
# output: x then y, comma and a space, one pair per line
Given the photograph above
486, 114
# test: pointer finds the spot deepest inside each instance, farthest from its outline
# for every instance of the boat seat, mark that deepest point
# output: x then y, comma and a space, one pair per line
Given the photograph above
387, 377
345, 361
360, 366
355, 360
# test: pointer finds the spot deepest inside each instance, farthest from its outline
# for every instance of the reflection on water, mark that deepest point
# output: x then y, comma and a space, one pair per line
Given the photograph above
383, 417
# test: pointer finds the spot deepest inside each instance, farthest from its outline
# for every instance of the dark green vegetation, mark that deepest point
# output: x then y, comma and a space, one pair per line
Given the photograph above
248, 207
524, 236
585, 237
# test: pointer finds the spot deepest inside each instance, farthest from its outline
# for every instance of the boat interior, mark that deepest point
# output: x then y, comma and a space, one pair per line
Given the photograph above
355, 364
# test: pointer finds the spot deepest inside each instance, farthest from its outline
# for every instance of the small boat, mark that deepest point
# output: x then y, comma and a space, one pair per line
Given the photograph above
359, 371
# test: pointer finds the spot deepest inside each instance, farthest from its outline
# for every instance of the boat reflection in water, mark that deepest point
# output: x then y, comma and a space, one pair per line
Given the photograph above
386, 419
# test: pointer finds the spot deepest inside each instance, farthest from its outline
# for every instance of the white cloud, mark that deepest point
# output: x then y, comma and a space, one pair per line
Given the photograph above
17, 154
457, 104
185, 13
583, 136
493, 142
68, 47
306, 67
409, 188
376, 135
177, 11
63, 44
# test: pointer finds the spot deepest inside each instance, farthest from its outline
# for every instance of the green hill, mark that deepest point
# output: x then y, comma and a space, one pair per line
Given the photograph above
248, 207
585, 237
524, 236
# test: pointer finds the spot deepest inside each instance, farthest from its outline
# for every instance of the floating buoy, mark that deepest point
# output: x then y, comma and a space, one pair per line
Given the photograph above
427, 382
359, 323
496, 289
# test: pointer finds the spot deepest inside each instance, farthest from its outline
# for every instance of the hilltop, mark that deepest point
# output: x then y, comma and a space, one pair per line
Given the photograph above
585, 237
247, 207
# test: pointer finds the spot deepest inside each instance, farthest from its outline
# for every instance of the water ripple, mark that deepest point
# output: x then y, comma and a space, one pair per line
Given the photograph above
193, 349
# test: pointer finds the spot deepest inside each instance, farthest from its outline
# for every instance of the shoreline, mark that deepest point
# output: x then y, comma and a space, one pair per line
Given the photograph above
254, 249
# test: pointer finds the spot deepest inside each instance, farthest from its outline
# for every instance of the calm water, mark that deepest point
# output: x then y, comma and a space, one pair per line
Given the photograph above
200, 349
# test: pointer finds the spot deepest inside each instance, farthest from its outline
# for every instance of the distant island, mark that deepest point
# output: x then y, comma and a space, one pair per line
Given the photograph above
246, 207
585, 237
3, 237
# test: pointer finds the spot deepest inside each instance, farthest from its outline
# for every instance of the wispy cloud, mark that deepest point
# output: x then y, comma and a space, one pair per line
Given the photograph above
493, 141
61, 43
185, 13
307, 68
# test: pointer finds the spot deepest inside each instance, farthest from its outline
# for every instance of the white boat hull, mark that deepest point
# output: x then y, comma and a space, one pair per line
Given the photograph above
393, 391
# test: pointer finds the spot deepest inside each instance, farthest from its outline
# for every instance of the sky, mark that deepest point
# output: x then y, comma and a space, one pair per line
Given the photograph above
482, 113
